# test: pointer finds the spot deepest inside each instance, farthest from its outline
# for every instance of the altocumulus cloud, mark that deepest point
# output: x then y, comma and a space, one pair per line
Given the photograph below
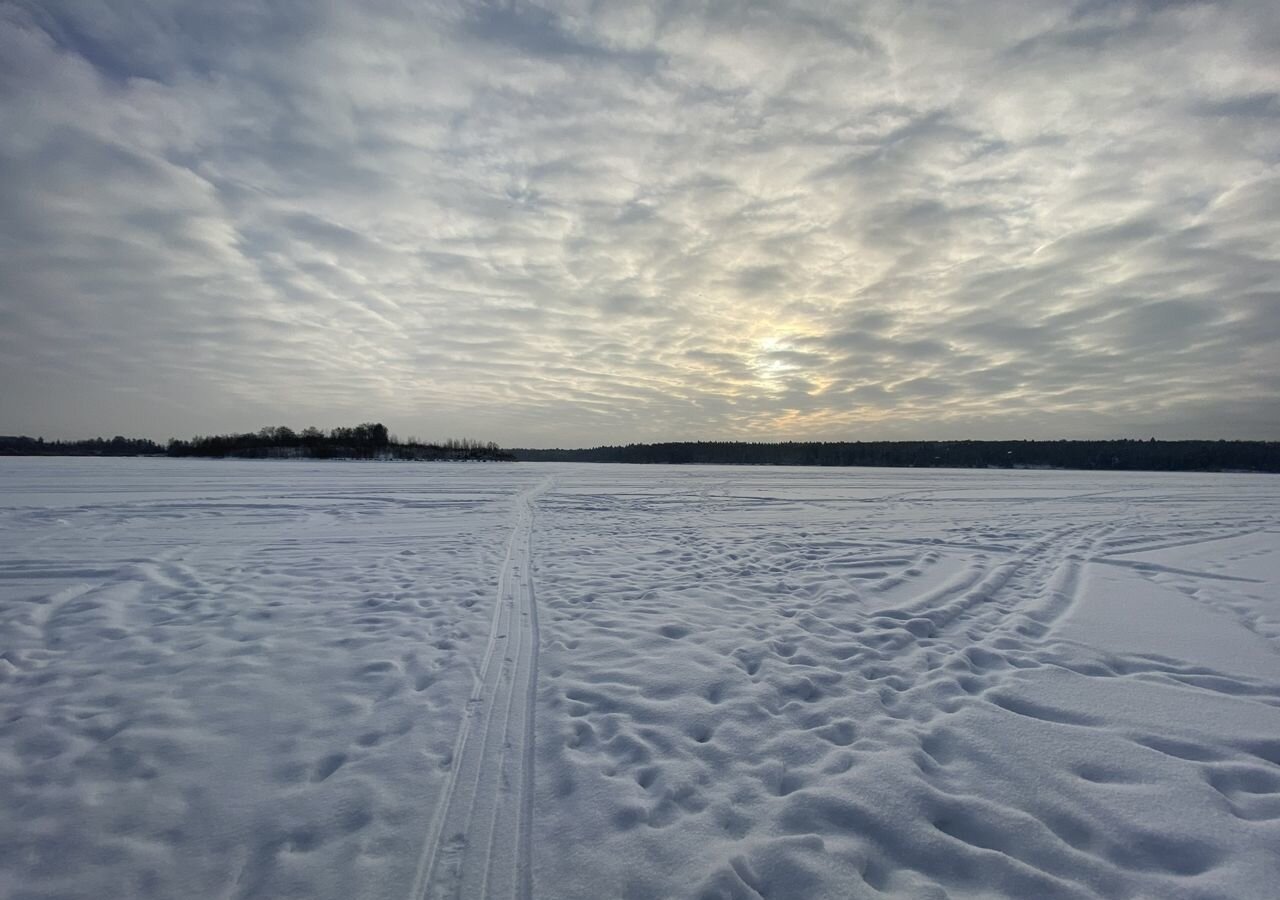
585, 222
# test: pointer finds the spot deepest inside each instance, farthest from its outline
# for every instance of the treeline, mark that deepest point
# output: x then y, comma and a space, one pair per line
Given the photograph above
21, 445
368, 441
1149, 455
373, 441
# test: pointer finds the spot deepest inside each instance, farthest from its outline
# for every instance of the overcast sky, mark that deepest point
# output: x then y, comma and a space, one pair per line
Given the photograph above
578, 223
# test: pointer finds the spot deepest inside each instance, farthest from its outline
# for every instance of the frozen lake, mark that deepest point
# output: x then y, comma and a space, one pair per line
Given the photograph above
335, 680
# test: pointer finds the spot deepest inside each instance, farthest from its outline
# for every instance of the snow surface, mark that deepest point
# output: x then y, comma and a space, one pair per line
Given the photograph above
292, 679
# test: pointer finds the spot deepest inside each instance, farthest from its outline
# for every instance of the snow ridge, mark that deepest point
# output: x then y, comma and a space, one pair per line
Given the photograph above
479, 842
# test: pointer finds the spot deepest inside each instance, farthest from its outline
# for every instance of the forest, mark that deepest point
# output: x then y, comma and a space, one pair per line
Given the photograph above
1150, 455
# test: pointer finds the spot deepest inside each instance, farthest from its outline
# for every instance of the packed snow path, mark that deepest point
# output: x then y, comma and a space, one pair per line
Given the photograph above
479, 846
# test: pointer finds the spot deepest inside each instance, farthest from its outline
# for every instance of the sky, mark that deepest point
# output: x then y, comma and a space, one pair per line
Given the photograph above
569, 224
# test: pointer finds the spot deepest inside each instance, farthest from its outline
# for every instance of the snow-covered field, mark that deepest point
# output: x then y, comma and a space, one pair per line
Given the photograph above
340, 680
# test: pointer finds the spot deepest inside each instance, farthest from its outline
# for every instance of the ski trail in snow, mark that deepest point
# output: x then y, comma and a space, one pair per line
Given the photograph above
478, 846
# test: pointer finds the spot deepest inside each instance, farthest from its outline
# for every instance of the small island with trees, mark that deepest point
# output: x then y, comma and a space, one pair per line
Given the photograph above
370, 440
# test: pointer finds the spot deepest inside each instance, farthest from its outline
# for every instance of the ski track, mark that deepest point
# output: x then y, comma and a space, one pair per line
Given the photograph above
479, 845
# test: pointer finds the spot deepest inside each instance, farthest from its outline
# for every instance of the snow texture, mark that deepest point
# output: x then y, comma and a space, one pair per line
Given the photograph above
331, 680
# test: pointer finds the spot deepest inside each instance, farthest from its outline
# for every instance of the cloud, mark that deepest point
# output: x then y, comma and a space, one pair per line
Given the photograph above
570, 224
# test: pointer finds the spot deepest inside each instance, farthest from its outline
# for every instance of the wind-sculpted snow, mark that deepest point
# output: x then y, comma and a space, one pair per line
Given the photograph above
237, 679
288, 679
820, 683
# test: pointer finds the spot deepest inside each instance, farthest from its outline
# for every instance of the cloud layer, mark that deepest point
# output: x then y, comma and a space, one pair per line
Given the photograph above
596, 222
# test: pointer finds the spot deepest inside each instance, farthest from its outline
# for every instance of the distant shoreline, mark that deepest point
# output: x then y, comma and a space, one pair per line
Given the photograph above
1114, 455
1261, 457
762, 465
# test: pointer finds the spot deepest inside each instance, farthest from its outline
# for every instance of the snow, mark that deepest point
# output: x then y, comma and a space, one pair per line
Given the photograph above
299, 679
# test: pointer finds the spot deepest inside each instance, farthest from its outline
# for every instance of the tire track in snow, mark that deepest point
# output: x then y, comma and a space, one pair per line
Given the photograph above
479, 842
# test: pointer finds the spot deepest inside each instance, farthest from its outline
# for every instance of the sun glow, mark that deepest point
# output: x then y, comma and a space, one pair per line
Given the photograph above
767, 363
